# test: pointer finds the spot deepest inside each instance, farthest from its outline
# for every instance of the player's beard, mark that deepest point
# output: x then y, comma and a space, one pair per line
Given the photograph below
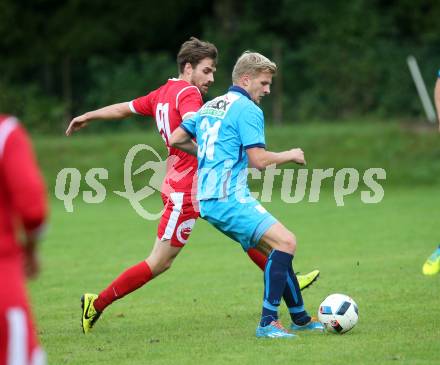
202, 87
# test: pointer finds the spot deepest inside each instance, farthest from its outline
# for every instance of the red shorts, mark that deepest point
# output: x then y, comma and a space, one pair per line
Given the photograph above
178, 219
18, 340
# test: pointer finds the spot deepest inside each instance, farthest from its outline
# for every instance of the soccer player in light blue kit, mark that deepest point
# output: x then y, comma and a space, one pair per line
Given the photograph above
229, 131
432, 263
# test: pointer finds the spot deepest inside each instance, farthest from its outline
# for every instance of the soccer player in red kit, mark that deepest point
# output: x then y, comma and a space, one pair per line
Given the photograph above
22, 209
178, 99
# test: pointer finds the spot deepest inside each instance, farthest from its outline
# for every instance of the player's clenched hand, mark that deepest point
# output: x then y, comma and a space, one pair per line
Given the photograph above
31, 263
297, 155
76, 124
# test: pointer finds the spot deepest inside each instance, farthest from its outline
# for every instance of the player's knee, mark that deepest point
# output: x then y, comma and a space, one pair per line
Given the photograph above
163, 266
158, 265
288, 242
167, 264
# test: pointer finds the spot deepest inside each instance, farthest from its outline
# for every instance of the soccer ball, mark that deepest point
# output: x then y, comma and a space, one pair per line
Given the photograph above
338, 313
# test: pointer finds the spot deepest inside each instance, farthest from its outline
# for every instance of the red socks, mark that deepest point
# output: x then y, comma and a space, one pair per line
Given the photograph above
130, 280
140, 274
257, 257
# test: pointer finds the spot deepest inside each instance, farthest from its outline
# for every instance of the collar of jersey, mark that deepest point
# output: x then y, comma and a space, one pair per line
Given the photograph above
240, 90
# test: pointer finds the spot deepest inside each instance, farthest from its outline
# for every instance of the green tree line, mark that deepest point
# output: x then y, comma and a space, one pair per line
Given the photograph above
337, 59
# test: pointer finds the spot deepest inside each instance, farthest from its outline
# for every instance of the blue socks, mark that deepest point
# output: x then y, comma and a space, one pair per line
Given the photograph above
275, 279
294, 301
280, 281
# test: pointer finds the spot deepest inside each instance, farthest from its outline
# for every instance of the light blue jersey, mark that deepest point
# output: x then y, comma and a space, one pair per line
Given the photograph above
224, 128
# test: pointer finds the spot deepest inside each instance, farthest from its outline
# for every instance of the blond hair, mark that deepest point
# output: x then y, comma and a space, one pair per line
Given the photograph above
252, 63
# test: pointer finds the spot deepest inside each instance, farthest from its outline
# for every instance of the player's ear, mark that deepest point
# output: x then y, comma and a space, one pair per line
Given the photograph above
188, 69
245, 79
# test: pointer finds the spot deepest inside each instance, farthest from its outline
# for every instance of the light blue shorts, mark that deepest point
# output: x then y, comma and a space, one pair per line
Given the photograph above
245, 221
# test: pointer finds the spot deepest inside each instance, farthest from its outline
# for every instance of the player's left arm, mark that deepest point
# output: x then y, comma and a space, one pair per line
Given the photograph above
251, 129
28, 193
260, 158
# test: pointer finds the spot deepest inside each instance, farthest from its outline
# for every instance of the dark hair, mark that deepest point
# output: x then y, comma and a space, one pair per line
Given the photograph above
193, 51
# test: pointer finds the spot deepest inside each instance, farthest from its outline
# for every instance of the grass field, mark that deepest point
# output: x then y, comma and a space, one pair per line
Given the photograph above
205, 309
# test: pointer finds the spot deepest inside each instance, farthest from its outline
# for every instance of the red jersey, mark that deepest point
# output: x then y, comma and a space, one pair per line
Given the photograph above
22, 192
169, 104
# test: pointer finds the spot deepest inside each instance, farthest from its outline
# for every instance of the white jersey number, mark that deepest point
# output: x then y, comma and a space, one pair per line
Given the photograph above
209, 136
163, 122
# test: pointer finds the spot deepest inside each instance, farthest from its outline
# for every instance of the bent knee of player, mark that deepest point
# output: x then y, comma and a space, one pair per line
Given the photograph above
158, 265
167, 264
288, 243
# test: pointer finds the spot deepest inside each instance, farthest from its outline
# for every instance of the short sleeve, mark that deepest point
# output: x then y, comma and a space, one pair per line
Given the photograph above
189, 125
438, 74
143, 105
188, 100
251, 128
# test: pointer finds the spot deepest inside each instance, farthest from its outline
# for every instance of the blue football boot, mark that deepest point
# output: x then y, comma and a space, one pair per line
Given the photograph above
274, 330
313, 325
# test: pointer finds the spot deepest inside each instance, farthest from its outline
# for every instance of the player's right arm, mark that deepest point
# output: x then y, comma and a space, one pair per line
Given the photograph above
182, 140
115, 111
182, 137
